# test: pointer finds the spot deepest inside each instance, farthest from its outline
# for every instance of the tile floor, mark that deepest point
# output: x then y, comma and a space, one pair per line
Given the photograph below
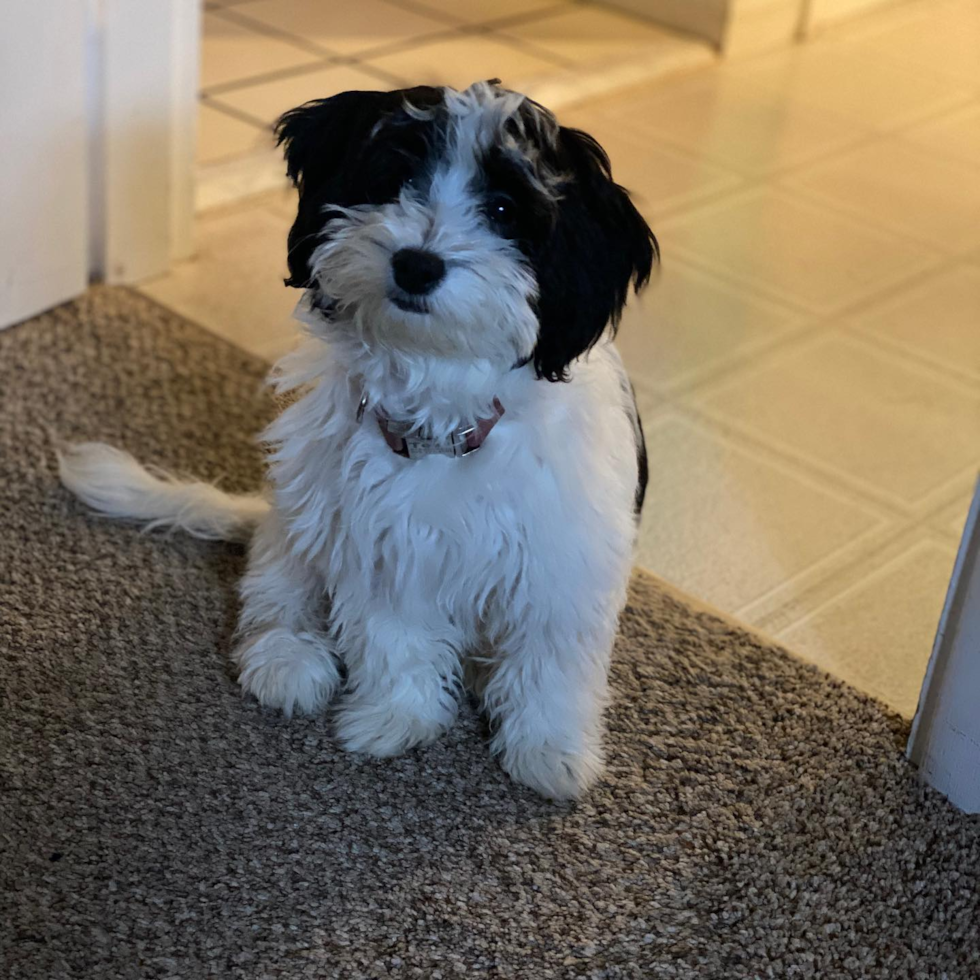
261, 57
808, 363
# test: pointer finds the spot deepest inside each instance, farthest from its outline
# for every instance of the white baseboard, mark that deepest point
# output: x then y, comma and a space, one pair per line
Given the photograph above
945, 738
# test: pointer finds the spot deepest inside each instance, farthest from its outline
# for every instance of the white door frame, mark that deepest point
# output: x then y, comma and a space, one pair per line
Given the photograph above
98, 123
144, 69
945, 738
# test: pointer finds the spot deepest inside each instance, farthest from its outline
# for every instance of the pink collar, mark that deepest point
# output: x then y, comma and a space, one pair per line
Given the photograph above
413, 441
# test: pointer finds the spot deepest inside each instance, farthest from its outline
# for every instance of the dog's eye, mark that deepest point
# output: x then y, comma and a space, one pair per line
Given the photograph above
501, 211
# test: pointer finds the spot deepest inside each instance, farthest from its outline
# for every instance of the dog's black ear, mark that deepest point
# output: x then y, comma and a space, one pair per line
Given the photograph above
599, 245
317, 140
323, 141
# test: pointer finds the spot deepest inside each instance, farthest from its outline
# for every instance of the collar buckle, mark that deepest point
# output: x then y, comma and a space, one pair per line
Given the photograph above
413, 441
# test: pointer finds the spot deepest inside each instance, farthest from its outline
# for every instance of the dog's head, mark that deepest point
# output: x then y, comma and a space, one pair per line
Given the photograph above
463, 224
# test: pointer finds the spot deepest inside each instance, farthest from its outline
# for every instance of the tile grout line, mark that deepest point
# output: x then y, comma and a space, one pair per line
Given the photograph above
827, 474
775, 294
732, 280
912, 530
540, 13
828, 482
277, 74
875, 573
299, 71
869, 336
419, 41
420, 8
785, 339
900, 358
830, 473
444, 30
868, 333
265, 30
884, 529
915, 279
901, 64
822, 572
836, 206
234, 113
543, 54
705, 198
327, 58
753, 179
800, 334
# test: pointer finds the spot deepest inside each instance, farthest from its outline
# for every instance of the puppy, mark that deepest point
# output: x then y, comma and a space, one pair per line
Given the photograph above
455, 486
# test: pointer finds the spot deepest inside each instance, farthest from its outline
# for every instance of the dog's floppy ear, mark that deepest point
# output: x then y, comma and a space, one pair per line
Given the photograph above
317, 139
323, 141
600, 244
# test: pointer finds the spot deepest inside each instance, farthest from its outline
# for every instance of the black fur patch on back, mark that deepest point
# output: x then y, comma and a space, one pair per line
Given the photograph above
642, 463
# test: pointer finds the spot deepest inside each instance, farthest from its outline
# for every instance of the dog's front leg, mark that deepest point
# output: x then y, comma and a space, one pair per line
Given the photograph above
545, 693
285, 658
403, 678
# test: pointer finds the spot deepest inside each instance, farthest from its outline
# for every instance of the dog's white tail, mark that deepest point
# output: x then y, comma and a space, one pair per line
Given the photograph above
112, 482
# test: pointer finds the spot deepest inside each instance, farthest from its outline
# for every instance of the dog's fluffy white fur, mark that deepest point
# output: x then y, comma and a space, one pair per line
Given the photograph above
406, 580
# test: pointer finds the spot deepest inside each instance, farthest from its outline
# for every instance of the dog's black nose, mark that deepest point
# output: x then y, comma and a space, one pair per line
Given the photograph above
416, 271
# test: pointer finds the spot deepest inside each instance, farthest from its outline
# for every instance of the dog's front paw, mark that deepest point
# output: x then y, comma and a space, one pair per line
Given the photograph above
553, 773
389, 728
294, 672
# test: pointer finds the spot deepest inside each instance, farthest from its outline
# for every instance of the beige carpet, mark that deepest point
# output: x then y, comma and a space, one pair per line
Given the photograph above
757, 820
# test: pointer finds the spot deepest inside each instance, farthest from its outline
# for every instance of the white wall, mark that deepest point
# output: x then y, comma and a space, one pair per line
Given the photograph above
43, 166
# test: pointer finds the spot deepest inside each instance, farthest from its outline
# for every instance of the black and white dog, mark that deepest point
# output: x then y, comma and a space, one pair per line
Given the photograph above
463, 256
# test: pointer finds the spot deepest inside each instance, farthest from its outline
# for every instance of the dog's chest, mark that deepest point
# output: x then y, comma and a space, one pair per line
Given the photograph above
557, 472
469, 499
